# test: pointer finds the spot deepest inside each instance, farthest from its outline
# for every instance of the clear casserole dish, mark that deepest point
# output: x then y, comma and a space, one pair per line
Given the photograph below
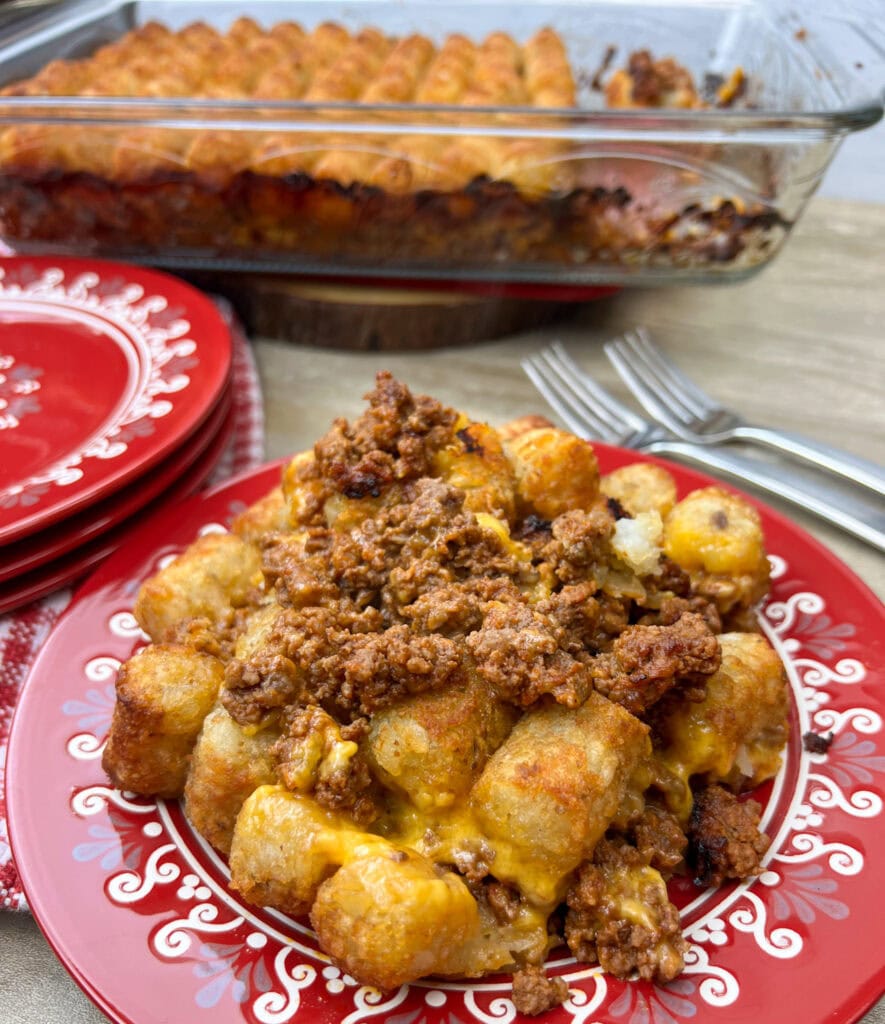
577, 194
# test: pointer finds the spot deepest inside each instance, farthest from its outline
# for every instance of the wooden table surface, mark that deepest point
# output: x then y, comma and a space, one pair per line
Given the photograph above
799, 347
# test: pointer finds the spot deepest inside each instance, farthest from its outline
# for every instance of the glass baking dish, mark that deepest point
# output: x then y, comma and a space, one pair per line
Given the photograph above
598, 196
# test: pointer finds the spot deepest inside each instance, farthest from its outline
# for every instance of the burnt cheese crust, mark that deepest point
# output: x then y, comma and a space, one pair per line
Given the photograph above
374, 199
461, 700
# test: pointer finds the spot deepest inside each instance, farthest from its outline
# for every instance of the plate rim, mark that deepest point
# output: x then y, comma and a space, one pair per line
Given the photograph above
165, 474
78, 562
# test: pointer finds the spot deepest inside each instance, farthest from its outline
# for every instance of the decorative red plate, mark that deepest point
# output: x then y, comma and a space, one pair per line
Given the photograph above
137, 907
39, 548
75, 565
104, 370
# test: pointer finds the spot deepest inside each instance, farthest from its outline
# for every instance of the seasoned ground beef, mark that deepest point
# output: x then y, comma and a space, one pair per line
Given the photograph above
394, 439
201, 634
534, 993
503, 900
375, 670
473, 859
672, 608
816, 742
265, 682
647, 661
659, 838
589, 618
315, 756
653, 80
599, 925
456, 609
347, 663
580, 542
519, 653
672, 580
724, 837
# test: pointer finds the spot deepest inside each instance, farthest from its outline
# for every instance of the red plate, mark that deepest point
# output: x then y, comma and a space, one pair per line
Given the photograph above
138, 909
46, 545
74, 566
104, 370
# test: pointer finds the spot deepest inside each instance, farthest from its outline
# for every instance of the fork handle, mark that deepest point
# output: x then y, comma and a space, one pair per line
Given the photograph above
822, 456
850, 514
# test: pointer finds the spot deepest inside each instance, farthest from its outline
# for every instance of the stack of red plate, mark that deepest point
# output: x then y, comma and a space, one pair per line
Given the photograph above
114, 398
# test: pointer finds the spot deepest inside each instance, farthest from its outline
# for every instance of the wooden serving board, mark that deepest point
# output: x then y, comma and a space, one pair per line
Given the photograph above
374, 318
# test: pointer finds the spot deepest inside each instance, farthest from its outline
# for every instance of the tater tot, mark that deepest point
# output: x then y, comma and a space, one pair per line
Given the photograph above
433, 746
267, 515
500, 944
551, 790
302, 488
214, 574
163, 694
717, 538
641, 487
227, 766
257, 631
735, 735
285, 845
512, 429
394, 917
475, 462
555, 472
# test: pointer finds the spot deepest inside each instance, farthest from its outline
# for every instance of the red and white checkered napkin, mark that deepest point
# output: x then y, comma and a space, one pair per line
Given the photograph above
23, 631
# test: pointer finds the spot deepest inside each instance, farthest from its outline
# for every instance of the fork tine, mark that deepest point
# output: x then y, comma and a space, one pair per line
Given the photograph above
591, 400
560, 400
592, 391
597, 421
642, 359
622, 356
691, 396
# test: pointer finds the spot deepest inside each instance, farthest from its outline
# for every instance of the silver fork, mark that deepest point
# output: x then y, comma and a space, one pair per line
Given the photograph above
677, 403
590, 411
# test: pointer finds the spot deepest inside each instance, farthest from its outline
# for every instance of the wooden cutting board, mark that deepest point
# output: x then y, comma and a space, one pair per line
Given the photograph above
374, 318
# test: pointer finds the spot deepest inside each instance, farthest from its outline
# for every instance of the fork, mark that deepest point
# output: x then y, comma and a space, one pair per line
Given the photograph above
678, 404
592, 412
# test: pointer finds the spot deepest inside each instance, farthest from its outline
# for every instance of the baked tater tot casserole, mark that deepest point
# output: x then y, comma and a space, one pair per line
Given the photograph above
459, 160
461, 700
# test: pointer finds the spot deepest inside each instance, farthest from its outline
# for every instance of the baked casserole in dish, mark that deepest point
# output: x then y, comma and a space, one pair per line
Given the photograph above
565, 143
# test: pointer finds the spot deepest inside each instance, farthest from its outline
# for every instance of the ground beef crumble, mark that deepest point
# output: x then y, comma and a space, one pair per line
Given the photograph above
647, 661
503, 900
654, 80
599, 927
590, 618
659, 838
304, 760
816, 742
458, 608
581, 541
519, 653
672, 608
534, 993
394, 439
343, 660
724, 837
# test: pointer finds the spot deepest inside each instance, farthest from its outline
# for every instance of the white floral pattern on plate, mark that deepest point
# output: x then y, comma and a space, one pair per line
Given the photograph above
153, 339
18, 386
